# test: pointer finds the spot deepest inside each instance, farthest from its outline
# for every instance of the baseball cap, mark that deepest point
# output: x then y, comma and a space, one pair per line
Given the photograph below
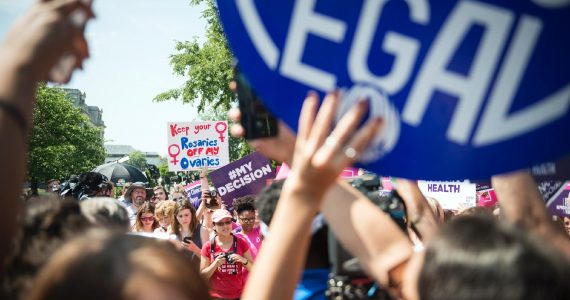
220, 214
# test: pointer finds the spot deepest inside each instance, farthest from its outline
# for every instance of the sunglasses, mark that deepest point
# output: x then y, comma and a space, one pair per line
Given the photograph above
247, 220
178, 198
224, 223
149, 219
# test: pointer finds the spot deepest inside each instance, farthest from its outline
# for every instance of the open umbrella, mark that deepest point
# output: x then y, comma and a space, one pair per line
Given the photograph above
116, 172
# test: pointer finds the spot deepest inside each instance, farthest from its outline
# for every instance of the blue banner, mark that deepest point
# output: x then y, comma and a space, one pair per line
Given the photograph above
468, 89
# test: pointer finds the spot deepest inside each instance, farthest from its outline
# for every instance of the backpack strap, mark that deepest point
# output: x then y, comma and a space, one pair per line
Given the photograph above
212, 245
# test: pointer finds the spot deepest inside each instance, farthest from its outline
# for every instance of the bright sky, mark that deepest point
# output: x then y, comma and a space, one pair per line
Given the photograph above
130, 44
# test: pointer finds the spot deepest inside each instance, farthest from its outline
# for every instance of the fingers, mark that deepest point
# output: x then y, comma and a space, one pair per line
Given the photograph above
234, 114
307, 116
233, 85
236, 130
361, 140
349, 122
80, 50
323, 122
67, 6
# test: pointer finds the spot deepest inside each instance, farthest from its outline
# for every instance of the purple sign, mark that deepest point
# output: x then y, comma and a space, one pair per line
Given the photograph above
243, 177
559, 204
194, 192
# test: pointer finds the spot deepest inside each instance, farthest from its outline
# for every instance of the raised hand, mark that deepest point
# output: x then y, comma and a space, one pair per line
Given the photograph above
40, 38
321, 155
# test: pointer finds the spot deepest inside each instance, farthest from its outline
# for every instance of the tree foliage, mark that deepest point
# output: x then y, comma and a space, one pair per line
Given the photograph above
63, 141
207, 67
137, 159
208, 70
238, 146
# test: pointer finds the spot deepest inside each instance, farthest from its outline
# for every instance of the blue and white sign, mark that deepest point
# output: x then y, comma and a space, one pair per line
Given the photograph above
468, 88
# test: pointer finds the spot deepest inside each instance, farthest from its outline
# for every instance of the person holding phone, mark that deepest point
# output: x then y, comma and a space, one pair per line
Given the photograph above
187, 228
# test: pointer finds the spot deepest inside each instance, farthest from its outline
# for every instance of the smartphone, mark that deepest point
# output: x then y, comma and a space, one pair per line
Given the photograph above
187, 239
257, 121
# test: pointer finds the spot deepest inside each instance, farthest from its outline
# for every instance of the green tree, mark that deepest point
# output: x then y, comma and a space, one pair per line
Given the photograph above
63, 141
137, 159
208, 70
207, 67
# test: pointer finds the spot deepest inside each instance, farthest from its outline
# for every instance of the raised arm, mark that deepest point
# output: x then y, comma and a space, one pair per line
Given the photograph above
522, 204
418, 211
30, 50
366, 232
315, 169
350, 215
204, 187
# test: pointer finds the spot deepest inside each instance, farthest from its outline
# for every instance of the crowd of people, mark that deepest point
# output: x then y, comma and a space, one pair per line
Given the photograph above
81, 243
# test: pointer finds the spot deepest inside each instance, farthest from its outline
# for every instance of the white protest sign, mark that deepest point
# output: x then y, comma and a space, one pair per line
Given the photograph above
192, 145
454, 195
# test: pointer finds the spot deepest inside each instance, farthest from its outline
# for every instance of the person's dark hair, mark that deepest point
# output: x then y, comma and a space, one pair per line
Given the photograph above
476, 211
46, 223
106, 212
109, 186
245, 203
89, 185
180, 206
475, 257
266, 202
101, 265
267, 199
448, 215
149, 194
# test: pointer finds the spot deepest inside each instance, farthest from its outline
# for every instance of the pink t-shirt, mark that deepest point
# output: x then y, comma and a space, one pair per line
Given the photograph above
229, 279
254, 238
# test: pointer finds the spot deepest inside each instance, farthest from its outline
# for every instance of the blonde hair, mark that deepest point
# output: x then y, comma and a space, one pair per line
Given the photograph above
165, 208
178, 189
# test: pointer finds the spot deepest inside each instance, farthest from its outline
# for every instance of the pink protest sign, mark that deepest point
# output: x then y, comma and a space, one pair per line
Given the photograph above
194, 145
349, 173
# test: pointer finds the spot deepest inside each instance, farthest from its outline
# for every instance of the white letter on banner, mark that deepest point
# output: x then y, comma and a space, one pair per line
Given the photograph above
469, 89
496, 124
403, 48
303, 22
259, 36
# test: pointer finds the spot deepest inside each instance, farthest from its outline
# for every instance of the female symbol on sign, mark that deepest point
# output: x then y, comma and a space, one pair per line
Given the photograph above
221, 127
174, 161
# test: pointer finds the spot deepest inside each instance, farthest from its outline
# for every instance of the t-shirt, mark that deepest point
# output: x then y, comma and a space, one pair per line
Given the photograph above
254, 238
132, 213
228, 280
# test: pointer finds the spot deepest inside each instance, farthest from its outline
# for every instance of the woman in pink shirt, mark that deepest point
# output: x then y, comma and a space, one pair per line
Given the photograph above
244, 210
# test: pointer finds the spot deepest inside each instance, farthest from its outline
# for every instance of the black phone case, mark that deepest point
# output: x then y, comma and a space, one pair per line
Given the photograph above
256, 120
